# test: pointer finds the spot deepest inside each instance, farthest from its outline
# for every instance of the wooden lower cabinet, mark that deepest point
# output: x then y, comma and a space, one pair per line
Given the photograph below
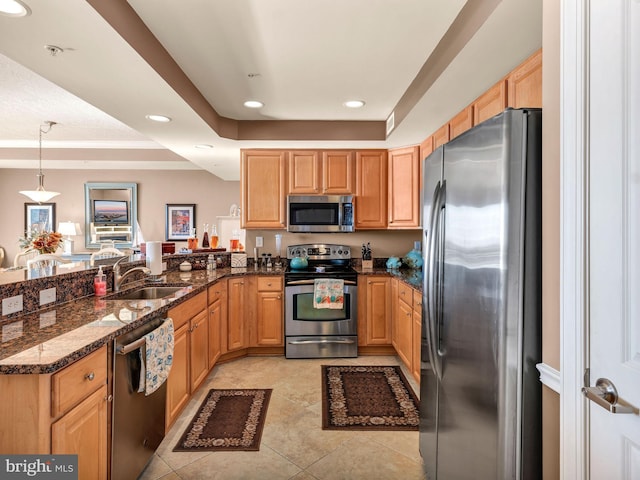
217, 295
198, 349
237, 335
83, 431
270, 311
403, 332
178, 391
61, 413
417, 334
190, 354
375, 325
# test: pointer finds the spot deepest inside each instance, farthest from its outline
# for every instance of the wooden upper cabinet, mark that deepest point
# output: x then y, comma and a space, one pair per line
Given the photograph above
338, 171
490, 103
404, 188
524, 84
441, 136
371, 190
262, 182
462, 122
304, 172
426, 148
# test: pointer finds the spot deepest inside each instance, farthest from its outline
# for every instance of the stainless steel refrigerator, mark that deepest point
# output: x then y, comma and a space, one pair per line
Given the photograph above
480, 395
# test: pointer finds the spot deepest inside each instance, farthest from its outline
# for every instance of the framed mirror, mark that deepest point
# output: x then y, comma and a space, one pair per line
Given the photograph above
110, 214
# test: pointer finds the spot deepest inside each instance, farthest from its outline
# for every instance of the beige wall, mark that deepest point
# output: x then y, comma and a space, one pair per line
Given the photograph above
212, 197
551, 232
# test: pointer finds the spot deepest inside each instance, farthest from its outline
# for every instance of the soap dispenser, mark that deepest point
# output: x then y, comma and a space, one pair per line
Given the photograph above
100, 283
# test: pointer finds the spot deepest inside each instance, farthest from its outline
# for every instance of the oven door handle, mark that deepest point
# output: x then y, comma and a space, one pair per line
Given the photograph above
306, 342
311, 282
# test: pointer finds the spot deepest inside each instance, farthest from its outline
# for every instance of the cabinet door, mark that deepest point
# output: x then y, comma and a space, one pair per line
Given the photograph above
236, 325
426, 148
417, 334
490, 103
378, 310
404, 188
304, 172
199, 349
371, 191
262, 184
462, 122
404, 332
270, 319
524, 84
178, 382
215, 321
338, 173
441, 136
83, 431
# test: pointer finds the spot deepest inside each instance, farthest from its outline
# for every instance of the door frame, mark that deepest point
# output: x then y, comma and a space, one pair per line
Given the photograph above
574, 244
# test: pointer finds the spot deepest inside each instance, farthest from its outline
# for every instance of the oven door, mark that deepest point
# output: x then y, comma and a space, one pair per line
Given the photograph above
302, 319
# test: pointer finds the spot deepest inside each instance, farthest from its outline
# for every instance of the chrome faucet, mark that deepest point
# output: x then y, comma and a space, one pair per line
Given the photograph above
118, 279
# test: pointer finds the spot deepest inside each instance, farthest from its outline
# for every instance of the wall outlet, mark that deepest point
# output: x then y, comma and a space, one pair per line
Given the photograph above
164, 266
259, 242
11, 305
47, 296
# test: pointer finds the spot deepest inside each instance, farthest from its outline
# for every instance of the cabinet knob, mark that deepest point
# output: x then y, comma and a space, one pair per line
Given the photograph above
108, 398
90, 376
269, 284
279, 297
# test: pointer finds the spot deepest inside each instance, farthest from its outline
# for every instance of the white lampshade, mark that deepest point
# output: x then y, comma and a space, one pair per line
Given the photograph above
40, 194
67, 228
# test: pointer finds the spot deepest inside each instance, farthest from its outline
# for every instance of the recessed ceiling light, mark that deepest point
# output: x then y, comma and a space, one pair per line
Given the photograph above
159, 118
14, 8
203, 145
354, 104
253, 104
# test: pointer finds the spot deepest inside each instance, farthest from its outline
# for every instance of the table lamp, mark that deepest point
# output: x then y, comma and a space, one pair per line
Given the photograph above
68, 229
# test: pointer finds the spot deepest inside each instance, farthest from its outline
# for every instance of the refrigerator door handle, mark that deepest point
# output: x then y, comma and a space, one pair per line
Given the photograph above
432, 284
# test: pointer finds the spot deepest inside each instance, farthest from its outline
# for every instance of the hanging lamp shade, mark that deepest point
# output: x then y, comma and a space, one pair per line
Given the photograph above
40, 194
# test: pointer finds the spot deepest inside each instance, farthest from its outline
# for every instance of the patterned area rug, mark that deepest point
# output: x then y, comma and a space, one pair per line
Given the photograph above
367, 398
227, 420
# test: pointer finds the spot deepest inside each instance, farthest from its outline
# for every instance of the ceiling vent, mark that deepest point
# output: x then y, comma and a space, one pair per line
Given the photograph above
391, 122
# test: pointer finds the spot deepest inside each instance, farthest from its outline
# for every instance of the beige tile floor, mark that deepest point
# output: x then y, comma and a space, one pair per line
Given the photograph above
293, 446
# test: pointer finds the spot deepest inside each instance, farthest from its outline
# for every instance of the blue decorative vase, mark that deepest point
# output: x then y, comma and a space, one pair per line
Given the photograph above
298, 263
393, 262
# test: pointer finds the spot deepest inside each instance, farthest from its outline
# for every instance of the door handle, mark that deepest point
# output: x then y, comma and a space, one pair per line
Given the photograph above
606, 395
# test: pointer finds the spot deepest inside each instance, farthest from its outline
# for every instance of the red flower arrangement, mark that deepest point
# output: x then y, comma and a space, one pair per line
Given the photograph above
43, 242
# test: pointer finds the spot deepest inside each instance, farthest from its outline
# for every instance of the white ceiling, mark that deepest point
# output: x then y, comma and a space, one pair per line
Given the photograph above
310, 57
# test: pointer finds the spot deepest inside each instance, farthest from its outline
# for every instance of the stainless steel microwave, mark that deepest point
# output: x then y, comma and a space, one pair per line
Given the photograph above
320, 213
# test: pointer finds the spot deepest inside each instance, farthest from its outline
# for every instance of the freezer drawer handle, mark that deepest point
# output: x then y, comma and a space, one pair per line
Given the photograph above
606, 395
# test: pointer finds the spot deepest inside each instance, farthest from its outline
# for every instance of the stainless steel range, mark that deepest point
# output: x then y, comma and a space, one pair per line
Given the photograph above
312, 332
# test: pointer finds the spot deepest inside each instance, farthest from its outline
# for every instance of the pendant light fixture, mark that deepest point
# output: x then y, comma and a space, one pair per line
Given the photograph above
40, 194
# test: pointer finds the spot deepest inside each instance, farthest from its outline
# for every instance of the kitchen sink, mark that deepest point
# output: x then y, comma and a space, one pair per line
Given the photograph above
146, 293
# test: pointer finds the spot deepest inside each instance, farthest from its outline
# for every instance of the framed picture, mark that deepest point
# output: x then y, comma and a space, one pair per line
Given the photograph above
181, 219
39, 217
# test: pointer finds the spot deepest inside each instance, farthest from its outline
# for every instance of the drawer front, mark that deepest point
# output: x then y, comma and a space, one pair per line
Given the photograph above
269, 284
405, 293
72, 384
417, 301
187, 310
217, 291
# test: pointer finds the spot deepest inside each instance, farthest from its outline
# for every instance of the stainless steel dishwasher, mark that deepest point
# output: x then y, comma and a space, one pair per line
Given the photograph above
138, 421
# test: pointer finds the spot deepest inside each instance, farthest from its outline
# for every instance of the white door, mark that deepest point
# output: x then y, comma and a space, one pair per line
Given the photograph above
613, 227
600, 235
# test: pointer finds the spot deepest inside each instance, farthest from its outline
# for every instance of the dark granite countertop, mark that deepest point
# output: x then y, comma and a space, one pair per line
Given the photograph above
49, 339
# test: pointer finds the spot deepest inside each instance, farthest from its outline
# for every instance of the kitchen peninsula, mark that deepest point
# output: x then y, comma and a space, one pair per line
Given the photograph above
56, 362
